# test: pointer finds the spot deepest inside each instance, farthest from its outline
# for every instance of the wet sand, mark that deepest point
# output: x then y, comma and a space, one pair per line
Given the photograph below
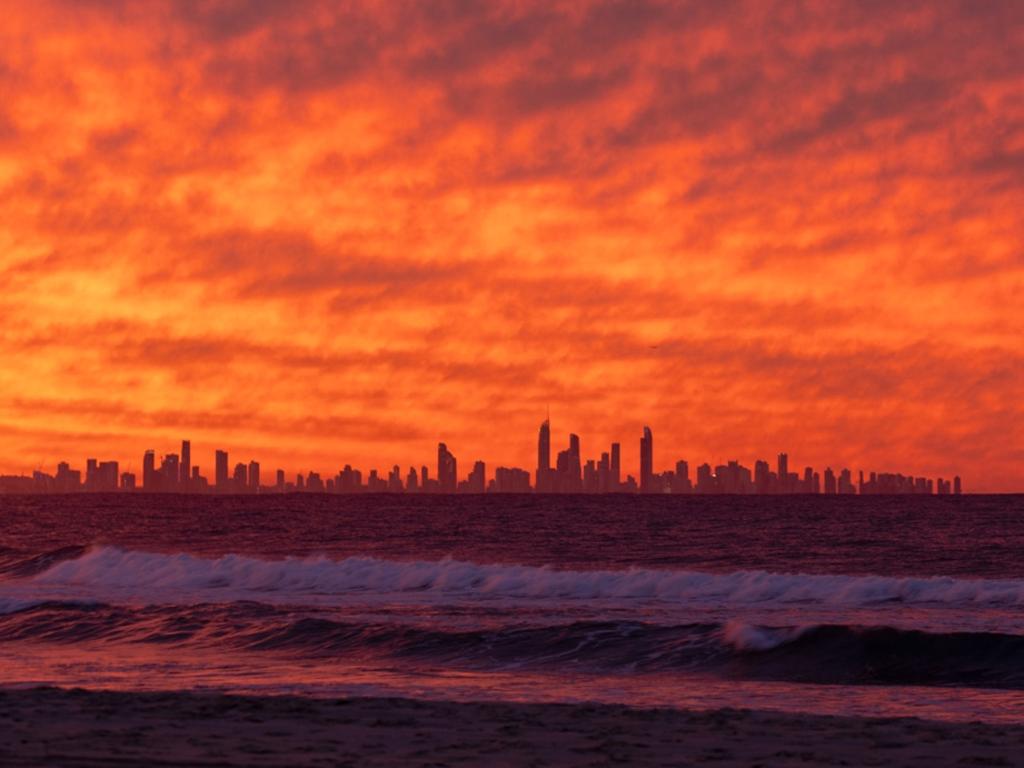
52, 727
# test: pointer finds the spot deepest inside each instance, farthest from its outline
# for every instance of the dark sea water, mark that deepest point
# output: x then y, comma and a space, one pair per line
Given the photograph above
852, 605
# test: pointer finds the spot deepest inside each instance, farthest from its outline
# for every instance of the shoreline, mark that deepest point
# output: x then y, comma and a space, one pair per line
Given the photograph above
76, 727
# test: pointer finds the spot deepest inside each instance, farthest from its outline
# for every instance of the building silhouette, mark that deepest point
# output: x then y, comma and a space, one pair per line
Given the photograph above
544, 456
570, 473
240, 478
221, 476
647, 461
186, 465
447, 469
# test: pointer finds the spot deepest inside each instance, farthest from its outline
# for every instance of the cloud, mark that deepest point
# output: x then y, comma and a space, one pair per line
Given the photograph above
310, 229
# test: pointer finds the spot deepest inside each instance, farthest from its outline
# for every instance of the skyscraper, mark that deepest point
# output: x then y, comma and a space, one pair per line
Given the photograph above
681, 479
647, 462
66, 480
186, 464
762, 476
221, 477
254, 476
705, 480
447, 469
845, 483
149, 471
783, 472
830, 481
575, 470
615, 469
169, 472
603, 472
106, 476
477, 480
543, 453
394, 482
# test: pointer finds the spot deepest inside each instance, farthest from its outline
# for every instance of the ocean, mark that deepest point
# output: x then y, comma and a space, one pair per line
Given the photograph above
860, 606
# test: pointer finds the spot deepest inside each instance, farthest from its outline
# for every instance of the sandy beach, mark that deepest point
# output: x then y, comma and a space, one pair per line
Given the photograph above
53, 727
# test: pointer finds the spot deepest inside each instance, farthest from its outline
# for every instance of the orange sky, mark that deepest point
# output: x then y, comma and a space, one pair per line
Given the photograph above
320, 236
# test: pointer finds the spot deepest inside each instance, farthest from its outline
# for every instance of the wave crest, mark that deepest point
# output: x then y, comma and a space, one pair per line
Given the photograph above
140, 571
823, 654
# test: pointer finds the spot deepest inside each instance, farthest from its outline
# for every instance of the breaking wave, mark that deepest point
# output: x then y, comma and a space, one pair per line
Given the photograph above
827, 654
235, 576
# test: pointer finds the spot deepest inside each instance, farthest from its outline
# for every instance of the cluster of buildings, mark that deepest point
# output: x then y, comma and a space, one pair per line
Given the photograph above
568, 473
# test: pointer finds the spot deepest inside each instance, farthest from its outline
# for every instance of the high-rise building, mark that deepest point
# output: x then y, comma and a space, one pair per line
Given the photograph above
107, 475
254, 476
149, 471
846, 485
67, 480
240, 478
783, 472
830, 481
575, 466
511, 480
705, 480
447, 469
279, 485
169, 472
603, 473
477, 480
198, 483
562, 472
590, 477
615, 468
543, 454
681, 480
221, 472
647, 462
957, 489
762, 477
186, 464
395, 480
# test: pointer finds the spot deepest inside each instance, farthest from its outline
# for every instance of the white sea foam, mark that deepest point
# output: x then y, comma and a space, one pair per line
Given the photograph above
226, 577
750, 637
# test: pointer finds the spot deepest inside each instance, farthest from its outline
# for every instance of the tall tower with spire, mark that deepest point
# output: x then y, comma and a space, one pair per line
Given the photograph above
543, 455
647, 462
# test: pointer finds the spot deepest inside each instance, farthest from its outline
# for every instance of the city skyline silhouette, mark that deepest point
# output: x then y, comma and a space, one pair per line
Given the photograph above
570, 472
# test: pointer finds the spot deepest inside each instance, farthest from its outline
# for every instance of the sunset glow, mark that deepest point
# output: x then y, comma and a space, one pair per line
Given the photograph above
324, 233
